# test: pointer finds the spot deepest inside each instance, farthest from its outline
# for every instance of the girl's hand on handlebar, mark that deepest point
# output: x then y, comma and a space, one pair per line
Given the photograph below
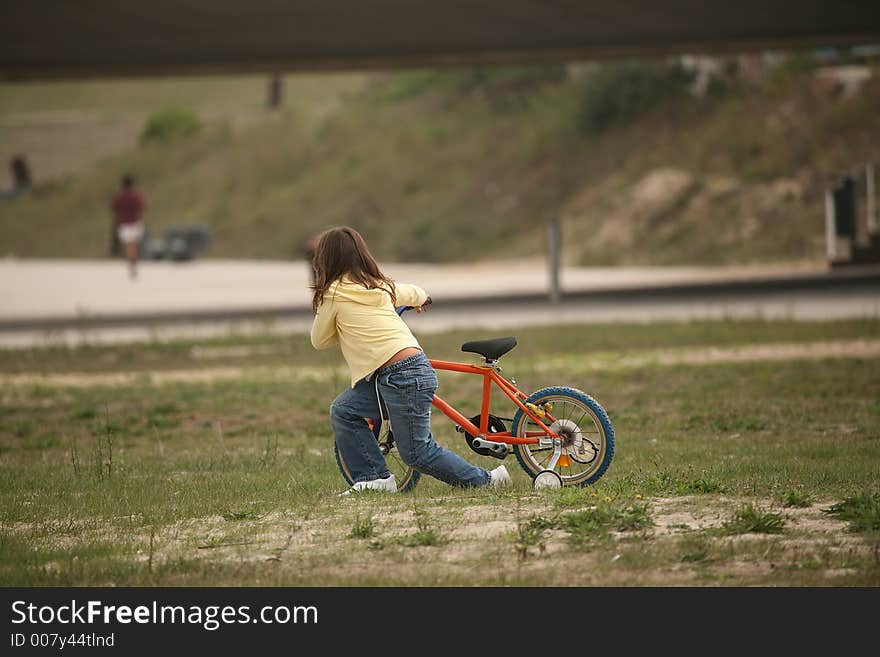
423, 308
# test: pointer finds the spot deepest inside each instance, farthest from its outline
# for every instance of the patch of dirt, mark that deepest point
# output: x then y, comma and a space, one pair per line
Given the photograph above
481, 543
235, 351
785, 351
646, 204
673, 515
159, 377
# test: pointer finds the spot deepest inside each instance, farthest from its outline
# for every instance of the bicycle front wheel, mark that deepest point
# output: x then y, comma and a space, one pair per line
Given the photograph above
585, 429
406, 476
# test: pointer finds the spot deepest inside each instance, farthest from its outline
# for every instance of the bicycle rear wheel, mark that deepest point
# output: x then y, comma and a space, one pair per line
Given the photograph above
406, 476
586, 430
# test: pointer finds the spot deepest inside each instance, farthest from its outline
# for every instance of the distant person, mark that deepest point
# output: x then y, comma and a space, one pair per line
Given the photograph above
21, 173
354, 305
21, 177
128, 208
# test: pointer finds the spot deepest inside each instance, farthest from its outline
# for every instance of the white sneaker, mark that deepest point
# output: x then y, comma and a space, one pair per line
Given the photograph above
388, 484
499, 476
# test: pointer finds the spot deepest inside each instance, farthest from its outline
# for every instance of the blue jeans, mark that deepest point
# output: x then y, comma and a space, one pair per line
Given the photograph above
407, 388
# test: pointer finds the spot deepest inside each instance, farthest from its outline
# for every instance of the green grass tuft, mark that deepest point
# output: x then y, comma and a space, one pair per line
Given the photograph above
599, 520
425, 533
237, 516
702, 486
530, 534
751, 520
796, 499
363, 528
862, 512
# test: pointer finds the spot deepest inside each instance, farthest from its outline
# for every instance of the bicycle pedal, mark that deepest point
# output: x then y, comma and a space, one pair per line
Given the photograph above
493, 448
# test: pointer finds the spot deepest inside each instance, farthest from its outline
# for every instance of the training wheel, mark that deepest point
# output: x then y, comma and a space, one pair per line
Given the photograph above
548, 479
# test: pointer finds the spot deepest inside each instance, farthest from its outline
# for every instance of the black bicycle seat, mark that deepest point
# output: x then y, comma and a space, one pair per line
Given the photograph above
490, 349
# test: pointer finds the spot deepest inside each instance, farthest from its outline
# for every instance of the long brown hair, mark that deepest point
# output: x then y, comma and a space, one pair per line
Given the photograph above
341, 251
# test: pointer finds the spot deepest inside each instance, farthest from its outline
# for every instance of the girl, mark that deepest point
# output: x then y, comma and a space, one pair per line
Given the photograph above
354, 305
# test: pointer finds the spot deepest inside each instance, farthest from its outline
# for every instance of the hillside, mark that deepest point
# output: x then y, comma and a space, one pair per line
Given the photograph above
449, 165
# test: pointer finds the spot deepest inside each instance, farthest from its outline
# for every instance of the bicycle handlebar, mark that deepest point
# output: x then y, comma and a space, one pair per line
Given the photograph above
403, 309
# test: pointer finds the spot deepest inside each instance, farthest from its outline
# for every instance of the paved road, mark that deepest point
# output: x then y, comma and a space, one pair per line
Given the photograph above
48, 302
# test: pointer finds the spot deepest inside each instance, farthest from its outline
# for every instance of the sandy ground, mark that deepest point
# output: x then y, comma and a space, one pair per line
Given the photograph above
93, 288
272, 297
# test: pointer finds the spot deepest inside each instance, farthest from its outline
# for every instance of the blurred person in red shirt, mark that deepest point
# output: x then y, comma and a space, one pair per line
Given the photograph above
128, 207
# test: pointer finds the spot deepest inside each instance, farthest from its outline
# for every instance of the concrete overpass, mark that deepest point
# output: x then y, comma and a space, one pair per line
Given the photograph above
55, 39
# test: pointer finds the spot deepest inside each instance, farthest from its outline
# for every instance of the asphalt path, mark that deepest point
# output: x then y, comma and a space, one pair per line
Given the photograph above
74, 302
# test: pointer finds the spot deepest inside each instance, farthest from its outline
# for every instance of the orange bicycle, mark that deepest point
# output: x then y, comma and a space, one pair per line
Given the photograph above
560, 435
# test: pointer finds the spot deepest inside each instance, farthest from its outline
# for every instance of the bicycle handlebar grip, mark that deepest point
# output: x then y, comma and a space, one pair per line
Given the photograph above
403, 309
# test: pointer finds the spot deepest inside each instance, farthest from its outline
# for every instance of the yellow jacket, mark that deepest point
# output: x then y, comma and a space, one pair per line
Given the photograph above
365, 324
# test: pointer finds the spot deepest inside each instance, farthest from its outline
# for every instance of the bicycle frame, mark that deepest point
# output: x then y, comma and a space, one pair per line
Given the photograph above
490, 375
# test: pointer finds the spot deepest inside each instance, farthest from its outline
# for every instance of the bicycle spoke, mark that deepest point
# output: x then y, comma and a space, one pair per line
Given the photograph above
564, 417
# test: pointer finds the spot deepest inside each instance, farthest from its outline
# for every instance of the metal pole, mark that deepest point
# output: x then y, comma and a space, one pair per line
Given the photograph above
873, 223
830, 228
553, 258
275, 91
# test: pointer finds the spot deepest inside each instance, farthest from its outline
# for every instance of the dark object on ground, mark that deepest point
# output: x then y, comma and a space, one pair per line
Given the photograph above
21, 177
860, 236
21, 173
843, 195
178, 243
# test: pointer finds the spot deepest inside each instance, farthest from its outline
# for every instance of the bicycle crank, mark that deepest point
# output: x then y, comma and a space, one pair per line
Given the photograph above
482, 446
489, 448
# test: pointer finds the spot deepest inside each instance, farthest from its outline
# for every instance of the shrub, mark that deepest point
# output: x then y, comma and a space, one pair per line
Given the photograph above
500, 85
620, 92
170, 124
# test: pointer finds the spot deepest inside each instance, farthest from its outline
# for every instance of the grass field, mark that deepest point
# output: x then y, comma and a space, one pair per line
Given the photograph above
211, 463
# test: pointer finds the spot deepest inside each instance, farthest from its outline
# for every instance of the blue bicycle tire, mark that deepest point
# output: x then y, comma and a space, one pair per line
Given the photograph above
533, 466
